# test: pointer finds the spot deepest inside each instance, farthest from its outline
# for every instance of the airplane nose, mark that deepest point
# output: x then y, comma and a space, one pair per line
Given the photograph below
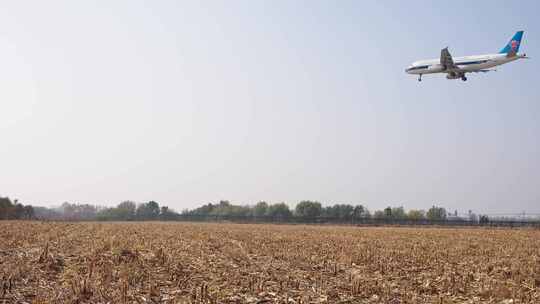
410, 70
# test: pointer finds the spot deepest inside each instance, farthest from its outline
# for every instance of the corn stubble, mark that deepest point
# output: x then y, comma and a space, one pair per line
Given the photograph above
228, 263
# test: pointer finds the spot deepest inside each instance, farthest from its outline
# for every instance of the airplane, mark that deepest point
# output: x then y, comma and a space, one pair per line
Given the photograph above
457, 67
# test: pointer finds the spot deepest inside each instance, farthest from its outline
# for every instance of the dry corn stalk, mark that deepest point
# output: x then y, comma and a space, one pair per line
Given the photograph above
219, 263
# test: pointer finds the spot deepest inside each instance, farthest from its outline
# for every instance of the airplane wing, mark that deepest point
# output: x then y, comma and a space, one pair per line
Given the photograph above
484, 71
446, 60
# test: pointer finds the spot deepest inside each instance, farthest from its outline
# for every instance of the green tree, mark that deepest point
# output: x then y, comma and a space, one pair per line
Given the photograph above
345, 211
388, 212
360, 211
416, 214
14, 210
239, 211
203, 210
153, 207
6, 207
308, 209
341, 211
260, 209
126, 210
148, 211
379, 214
18, 211
164, 210
398, 213
167, 214
280, 210
28, 212
436, 213
484, 219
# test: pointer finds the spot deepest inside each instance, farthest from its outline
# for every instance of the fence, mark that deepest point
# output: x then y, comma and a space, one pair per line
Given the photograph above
354, 221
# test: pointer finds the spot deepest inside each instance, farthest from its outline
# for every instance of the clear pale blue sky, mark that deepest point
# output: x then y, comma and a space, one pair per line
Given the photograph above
192, 102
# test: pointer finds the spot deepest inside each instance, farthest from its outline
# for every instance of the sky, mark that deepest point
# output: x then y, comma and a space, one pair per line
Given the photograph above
190, 102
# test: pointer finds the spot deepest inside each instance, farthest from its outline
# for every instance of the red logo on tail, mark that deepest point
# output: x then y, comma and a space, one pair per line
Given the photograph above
514, 45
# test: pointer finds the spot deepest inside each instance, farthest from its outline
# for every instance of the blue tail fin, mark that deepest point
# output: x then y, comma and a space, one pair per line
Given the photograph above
513, 46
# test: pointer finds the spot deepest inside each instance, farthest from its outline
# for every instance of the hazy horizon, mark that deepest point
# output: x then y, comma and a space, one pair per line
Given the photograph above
189, 102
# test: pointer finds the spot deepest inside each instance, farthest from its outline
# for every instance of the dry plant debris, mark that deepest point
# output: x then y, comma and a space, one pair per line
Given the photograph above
43, 262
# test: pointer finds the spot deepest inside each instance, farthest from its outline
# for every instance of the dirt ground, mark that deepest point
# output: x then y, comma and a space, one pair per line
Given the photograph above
156, 262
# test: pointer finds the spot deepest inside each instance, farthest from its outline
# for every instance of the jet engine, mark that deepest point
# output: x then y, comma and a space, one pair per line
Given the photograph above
454, 75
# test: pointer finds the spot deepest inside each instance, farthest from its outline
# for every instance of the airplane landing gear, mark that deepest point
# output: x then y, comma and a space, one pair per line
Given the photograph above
463, 78
420, 77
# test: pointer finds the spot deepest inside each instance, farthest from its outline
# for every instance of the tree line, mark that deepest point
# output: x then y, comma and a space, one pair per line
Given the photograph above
313, 210
131, 211
304, 210
125, 211
14, 210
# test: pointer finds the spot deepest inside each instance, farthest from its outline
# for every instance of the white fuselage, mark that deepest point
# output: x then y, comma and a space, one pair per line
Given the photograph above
465, 64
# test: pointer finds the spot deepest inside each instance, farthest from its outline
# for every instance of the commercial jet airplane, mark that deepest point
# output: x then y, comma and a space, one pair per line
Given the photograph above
457, 67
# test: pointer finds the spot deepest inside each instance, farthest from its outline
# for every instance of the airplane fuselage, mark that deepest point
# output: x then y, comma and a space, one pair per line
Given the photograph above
464, 64
457, 67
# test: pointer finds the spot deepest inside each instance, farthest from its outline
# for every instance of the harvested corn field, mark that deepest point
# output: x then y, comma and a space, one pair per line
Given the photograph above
229, 263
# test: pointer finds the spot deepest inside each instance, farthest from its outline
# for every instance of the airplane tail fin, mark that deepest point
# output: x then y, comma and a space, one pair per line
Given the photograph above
513, 46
